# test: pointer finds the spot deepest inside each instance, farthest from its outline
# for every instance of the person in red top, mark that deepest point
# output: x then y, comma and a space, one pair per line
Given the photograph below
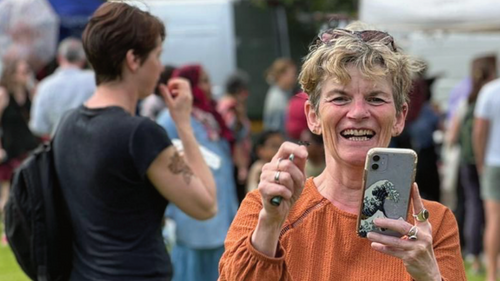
296, 121
358, 82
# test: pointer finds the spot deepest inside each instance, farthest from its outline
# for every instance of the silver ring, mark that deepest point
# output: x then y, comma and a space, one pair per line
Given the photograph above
277, 177
412, 234
278, 164
422, 215
291, 157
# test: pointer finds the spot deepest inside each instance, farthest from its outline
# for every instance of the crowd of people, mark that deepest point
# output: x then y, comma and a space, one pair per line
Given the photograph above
139, 144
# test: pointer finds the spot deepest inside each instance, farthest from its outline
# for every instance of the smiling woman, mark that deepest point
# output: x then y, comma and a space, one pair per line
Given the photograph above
358, 83
364, 112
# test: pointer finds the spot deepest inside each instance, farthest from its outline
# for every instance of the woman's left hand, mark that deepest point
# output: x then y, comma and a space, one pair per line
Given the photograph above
418, 254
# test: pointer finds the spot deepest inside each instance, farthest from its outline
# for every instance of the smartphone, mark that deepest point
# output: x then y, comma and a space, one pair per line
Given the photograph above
388, 176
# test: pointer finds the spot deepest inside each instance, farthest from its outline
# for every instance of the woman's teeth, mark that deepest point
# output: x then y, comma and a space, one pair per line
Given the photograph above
357, 135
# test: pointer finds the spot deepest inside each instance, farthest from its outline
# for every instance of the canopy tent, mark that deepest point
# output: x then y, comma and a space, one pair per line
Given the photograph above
31, 29
447, 34
28, 30
73, 15
455, 15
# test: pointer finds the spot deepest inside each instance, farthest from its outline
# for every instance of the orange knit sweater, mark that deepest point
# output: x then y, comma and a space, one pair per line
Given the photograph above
319, 242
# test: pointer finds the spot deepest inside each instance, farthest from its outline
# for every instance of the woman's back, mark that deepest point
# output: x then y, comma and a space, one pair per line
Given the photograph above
101, 157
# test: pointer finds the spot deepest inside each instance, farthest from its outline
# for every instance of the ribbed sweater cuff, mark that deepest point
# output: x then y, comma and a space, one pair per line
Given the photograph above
280, 253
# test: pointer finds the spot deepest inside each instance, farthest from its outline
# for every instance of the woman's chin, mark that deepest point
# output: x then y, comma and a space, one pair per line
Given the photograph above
354, 158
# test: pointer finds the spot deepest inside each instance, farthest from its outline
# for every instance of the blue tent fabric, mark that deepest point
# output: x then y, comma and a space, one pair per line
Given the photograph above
75, 7
74, 15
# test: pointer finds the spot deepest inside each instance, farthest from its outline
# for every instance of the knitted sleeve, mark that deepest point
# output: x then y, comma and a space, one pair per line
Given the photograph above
241, 261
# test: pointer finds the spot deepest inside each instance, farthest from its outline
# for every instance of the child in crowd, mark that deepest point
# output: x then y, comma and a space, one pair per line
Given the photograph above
266, 146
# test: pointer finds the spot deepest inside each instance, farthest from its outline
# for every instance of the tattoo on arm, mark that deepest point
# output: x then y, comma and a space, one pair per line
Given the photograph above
178, 166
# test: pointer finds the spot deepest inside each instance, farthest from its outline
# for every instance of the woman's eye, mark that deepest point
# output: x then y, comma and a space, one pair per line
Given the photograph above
338, 100
375, 100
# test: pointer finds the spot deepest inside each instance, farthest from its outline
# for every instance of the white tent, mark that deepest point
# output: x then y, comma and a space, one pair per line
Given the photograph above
447, 34
29, 30
198, 31
458, 15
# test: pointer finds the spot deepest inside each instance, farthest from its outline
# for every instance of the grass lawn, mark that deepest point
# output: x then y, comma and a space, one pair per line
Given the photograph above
470, 277
10, 271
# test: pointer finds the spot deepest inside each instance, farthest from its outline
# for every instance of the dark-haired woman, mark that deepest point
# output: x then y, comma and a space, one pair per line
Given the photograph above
483, 70
16, 137
118, 171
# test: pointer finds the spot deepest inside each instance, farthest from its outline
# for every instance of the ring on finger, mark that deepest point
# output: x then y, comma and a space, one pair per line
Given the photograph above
278, 164
412, 233
422, 215
277, 177
291, 157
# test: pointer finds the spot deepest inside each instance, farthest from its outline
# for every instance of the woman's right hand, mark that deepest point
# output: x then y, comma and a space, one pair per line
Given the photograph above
288, 184
179, 99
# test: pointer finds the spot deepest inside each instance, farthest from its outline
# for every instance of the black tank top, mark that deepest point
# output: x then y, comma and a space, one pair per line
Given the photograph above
17, 138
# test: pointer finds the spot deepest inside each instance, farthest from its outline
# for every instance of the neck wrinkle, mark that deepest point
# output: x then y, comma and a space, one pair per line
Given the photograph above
341, 185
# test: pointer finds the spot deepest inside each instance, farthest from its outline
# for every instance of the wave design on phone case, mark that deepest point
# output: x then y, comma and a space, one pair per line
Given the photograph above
374, 204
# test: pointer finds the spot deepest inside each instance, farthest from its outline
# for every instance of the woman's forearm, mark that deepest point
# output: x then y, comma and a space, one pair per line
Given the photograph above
266, 236
196, 161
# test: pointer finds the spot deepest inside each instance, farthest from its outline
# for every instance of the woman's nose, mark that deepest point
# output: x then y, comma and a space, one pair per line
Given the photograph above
358, 110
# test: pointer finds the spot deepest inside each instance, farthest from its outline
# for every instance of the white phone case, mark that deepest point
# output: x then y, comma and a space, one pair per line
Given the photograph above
388, 176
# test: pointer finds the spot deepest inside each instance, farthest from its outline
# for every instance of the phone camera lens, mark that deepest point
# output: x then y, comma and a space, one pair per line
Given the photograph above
375, 166
376, 158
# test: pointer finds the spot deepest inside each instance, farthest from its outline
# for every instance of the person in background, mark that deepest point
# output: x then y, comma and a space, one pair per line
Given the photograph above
232, 107
424, 121
16, 138
152, 105
281, 75
200, 244
268, 143
316, 151
451, 152
457, 95
67, 88
486, 144
358, 83
118, 171
483, 70
297, 130
296, 121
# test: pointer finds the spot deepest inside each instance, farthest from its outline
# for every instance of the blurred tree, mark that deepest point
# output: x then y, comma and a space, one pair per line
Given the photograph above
281, 28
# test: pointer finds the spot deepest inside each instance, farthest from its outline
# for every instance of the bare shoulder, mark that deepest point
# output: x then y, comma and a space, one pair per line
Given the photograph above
4, 97
3, 92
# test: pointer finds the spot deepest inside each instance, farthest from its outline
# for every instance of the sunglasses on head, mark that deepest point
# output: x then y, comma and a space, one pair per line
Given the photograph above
365, 35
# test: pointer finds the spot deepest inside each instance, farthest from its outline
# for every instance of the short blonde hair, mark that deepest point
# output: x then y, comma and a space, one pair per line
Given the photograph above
372, 52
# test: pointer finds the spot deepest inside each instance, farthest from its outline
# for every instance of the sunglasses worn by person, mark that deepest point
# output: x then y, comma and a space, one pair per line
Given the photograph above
365, 35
